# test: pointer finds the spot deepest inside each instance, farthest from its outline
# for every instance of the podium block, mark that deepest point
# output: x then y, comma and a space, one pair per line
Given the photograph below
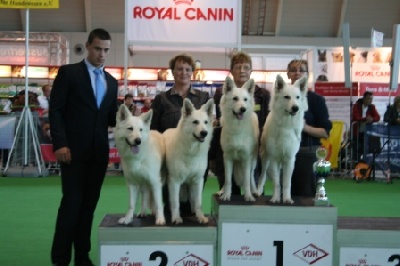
368, 241
260, 233
143, 243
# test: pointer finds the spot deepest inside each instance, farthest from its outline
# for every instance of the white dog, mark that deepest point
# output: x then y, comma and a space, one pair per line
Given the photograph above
142, 153
281, 135
239, 138
187, 148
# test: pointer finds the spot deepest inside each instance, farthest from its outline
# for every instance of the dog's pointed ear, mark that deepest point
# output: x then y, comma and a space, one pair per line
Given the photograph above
250, 86
146, 117
302, 83
228, 85
279, 83
209, 107
122, 113
187, 107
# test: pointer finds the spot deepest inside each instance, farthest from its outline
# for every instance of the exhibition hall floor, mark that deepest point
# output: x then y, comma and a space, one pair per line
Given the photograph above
28, 208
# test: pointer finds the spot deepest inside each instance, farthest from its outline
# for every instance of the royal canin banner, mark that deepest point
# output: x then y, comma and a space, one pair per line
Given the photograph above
205, 22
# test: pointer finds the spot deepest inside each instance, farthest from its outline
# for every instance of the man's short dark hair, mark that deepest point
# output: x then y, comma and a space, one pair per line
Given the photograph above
128, 96
102, 34
368, 93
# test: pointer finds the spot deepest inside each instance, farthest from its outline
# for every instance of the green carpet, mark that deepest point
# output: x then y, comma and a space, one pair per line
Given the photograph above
28, 208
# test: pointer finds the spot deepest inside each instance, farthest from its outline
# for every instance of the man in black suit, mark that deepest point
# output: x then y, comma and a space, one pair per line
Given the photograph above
79, 130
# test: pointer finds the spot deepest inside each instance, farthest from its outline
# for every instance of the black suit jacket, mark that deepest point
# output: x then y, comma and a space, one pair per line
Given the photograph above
75, 120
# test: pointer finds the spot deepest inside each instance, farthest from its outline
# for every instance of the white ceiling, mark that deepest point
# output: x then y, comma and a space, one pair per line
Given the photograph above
279, 18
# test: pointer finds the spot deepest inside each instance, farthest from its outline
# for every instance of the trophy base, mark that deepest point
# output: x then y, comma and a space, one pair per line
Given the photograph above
321, 202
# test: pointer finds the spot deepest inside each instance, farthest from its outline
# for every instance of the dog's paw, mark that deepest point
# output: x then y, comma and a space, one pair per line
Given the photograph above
219, 193
160, 220
275, 199
259, 192
141, 214
125, 220
249, 198
225, 197
202, 219
288, 201
176, 220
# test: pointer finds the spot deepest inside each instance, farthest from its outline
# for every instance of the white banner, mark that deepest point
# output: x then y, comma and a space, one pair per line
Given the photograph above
369, 256
276, 244
154, 255
183, 22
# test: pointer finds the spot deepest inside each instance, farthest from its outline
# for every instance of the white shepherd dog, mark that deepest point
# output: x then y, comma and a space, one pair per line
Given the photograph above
187, 148
239, 138
142, 153
281, 136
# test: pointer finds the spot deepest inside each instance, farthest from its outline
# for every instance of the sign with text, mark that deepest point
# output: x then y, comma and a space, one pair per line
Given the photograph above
207, 22
337, 98
29, 4
276, 244
155, 255
369, 256
367, 64
14, 53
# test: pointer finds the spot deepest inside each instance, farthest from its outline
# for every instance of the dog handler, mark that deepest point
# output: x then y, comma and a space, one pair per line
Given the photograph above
83, 104
316, 126
167, 108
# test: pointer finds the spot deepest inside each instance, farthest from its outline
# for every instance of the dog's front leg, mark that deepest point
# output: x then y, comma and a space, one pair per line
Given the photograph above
288, 167
196, 190
146, 201
133, 195
263, 176
174, 189
247, 174
273, 170
227, 189
157, 201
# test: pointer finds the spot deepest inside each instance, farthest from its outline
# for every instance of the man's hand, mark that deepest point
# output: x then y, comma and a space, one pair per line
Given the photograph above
63, 155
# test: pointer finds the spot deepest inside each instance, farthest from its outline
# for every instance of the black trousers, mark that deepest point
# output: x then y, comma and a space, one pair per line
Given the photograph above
304, 182
81, 185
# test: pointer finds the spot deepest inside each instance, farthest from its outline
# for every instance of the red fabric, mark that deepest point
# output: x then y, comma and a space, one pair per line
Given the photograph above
145, 109
113, 156
49, 156
47, 153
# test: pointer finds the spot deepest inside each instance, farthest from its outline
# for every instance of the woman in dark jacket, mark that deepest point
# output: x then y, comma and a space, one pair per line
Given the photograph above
392, 114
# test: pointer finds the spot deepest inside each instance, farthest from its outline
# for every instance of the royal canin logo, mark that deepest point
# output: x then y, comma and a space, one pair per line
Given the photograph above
187, 2
217, 14
191, 260
124, 261
244, 251
311, 254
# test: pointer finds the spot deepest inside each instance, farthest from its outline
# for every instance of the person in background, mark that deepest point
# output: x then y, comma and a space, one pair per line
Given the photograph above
392, 114
44, 100
83, 105
146, 105
240, 68
363, 112
316, 126
167, 107
128, 101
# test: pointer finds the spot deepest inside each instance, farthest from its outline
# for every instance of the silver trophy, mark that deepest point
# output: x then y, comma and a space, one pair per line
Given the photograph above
322, 169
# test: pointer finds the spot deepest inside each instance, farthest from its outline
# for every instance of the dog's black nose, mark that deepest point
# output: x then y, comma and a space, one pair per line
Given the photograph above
138, 141
242, 109
204, 133
295, 108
